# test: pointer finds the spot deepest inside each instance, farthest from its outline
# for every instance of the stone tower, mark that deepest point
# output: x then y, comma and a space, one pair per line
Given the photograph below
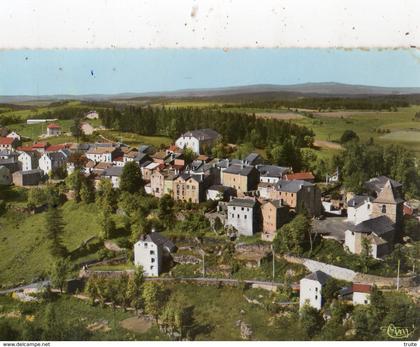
389, 203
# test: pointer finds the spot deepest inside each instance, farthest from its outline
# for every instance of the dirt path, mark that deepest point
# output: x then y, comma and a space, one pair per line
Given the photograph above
327, 144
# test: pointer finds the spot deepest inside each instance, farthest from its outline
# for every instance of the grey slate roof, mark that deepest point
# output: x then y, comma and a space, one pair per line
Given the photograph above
242, 170
252, 158
272, 170
31, 172
319, 276
251, 203
358, 200
292, 186
113, 171
377, 183
144, 148
379, 225
54, 156
202, 134
161, 240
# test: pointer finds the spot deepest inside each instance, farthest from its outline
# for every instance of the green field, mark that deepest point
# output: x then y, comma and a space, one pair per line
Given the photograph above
133, 139
24, 248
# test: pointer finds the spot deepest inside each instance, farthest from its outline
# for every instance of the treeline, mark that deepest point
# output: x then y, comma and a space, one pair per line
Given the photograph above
64, 113
235, 127
333, 103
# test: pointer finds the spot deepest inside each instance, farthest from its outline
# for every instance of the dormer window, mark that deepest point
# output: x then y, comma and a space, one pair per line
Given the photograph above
383, 209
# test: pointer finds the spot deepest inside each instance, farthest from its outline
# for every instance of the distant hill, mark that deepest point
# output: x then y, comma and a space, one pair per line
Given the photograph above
271, 90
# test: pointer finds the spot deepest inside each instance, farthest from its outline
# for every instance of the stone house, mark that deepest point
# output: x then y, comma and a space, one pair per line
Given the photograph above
244, 215
379, 231
272, 173
104, 154
187, 187
274, 215
311, 289
299, 195
52, 160
359, 209
240, 177
114, 174
27, 178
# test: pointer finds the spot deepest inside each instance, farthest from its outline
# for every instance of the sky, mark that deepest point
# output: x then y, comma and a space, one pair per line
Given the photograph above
51, 72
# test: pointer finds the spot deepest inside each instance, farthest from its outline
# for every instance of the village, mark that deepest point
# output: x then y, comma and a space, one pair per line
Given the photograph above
249, 197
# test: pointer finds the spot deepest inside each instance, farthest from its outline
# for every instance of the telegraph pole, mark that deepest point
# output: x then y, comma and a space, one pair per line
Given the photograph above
274, 262
398, 275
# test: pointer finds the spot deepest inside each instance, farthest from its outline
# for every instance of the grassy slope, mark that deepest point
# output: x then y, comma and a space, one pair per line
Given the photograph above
135, 139
24, 247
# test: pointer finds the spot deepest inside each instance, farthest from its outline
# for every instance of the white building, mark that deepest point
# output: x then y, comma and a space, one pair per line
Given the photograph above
272, 173
92, 115
359, 209
311, 289
52, 160
378, 231
361, 293
101, 154
197, 139
14, 135
28, 160
242, 215
53, 129
149, 252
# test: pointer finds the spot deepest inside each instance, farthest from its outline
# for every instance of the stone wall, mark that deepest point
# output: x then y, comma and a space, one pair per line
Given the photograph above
341, 273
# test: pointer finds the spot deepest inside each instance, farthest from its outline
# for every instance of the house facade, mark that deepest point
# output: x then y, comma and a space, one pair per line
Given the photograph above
27, 178
53, 129
243, 215
51, 161
8, 143
102, 154
361, 293
28, 160
197, 140
274, 215
311, 289
149, 252
242, 178
359, 209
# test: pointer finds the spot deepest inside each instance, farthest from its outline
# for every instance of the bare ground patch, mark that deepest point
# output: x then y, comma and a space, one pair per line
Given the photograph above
327, 144
136, 324
279, 115
347, 114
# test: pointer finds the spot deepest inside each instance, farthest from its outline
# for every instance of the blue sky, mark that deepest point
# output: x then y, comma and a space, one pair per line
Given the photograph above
42, 72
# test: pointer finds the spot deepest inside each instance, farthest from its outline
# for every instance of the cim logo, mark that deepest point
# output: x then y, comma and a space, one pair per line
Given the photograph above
395, 332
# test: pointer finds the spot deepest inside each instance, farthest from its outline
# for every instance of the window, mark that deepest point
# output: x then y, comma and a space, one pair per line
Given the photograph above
145, 244
239, 216
316, 289
316, 297
383, 208
152, 252
366, 302
242, 208
233, 215
368, 206
152, 260
245, 216
234, 208
151, 267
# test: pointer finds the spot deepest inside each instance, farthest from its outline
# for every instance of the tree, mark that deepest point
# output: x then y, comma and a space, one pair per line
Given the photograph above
54, 226
131, 179
51, 326
59, 272
166, 214
76, 128
87, 191
365, 255
176, 318
107, 196
331, 289
189, 155
348, 135
287, 154
311, 320
74, 182
108, 224
92, 289
36, 197
135, 288
153, 296
294, 236
78, 159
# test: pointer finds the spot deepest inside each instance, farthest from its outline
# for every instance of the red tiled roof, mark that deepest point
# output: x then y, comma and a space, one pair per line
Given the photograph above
362, 288
6, 140
40, 145
300, 176
53, 126
55, 148
25, 149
